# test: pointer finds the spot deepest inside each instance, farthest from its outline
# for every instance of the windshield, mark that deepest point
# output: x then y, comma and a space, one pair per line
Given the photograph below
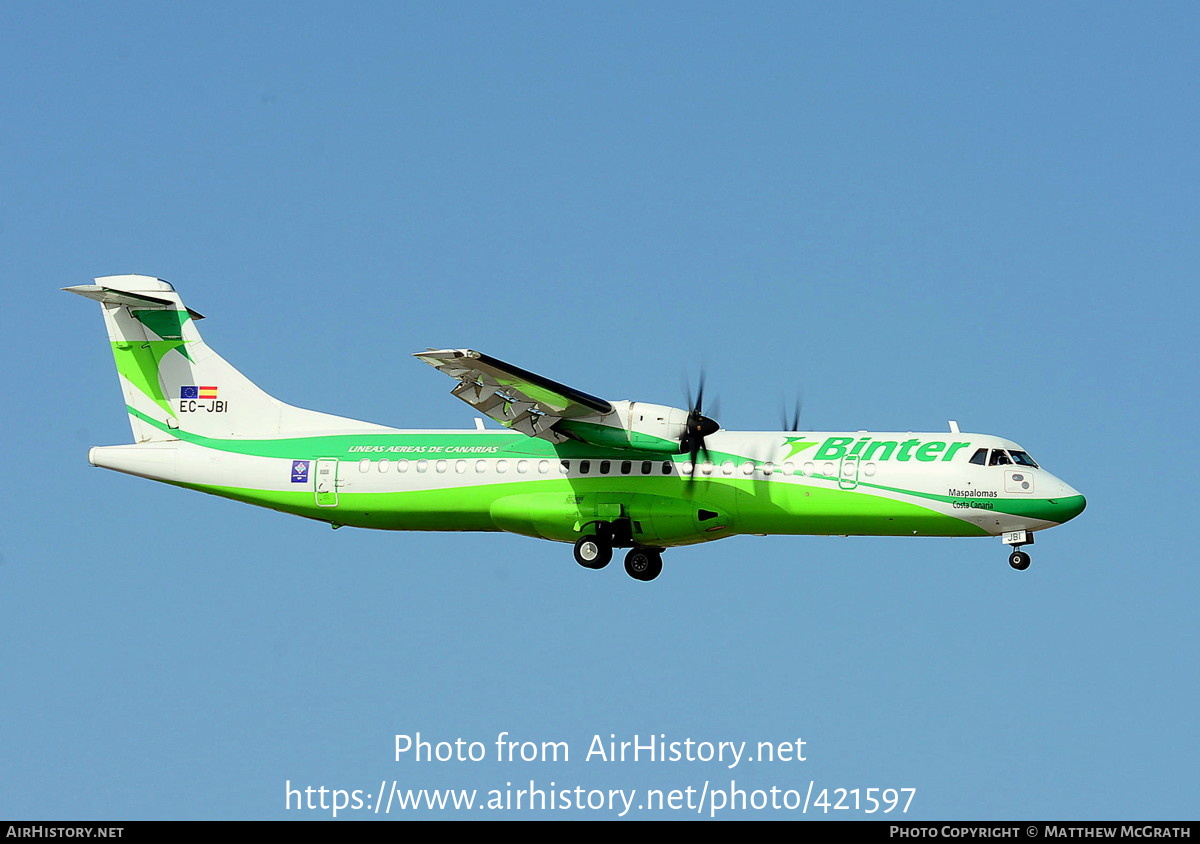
1023, 459
1002, 457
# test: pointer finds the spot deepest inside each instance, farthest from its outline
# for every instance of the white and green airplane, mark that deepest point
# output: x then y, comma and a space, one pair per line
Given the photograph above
568, 466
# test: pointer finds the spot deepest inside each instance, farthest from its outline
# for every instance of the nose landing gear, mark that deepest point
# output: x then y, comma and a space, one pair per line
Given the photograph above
1018, 559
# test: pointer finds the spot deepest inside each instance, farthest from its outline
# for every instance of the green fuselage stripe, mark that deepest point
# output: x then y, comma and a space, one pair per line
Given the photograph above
513, 445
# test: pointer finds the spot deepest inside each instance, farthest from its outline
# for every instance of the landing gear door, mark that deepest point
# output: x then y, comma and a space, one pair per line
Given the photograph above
848, 472
325, 482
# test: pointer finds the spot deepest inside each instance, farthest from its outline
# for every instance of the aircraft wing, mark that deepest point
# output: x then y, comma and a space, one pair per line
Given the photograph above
514, 397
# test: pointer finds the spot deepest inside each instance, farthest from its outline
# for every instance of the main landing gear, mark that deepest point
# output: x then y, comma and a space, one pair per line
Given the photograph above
592, 552
643, 564
1018, 559
595, 550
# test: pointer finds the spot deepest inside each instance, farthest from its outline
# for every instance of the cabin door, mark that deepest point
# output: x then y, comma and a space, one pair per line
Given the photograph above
325, 483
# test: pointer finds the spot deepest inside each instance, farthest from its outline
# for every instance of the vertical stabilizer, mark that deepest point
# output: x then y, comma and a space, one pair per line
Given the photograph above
173, 382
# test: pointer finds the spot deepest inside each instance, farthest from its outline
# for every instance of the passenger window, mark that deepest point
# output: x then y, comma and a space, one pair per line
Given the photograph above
585, 466
666, 467
979, 458
385, 464
605, 465
626, 467
645, 467
566, 466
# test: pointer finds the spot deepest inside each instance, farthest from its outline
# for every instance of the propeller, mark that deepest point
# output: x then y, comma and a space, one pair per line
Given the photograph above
698, 427
792, 422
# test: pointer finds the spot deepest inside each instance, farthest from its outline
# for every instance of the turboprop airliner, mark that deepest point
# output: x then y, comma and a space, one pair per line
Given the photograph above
566, 465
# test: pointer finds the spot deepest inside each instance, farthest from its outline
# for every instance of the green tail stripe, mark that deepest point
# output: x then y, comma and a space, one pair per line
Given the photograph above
166, 324
138, 362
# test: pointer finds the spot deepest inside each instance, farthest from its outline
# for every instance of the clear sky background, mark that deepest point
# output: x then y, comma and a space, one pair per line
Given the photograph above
911, 213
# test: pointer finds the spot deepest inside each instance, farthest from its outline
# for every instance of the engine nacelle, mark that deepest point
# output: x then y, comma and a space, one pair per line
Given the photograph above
631, 425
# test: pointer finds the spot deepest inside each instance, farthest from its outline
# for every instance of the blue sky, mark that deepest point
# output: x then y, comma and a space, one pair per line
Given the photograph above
909, 213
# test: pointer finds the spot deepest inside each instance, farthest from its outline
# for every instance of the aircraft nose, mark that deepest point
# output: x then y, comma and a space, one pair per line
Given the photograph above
1068, 503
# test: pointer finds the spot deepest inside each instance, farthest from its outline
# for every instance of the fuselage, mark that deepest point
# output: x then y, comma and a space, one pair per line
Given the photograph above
840, 483
567, 465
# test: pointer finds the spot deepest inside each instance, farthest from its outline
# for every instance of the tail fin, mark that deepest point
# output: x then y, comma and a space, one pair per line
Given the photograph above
173, 382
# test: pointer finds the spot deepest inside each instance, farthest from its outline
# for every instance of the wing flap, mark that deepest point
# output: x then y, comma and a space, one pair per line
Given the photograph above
516, 398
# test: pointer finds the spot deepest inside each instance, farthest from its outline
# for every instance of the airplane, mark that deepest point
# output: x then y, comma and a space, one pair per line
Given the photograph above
566, 466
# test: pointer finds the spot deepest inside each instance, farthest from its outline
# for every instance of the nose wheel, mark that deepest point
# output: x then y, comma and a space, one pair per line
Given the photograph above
1018, 559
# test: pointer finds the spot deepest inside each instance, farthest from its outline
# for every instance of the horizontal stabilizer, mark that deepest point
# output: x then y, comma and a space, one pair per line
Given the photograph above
141, 301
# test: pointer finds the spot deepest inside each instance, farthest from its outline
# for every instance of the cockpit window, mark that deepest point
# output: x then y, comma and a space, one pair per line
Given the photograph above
1023, 459
1000, 457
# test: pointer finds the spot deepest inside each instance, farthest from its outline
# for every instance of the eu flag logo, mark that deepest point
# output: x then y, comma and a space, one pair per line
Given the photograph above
300, 471
189, 392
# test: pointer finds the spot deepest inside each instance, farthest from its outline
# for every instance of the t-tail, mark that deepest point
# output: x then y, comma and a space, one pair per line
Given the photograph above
175, 386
